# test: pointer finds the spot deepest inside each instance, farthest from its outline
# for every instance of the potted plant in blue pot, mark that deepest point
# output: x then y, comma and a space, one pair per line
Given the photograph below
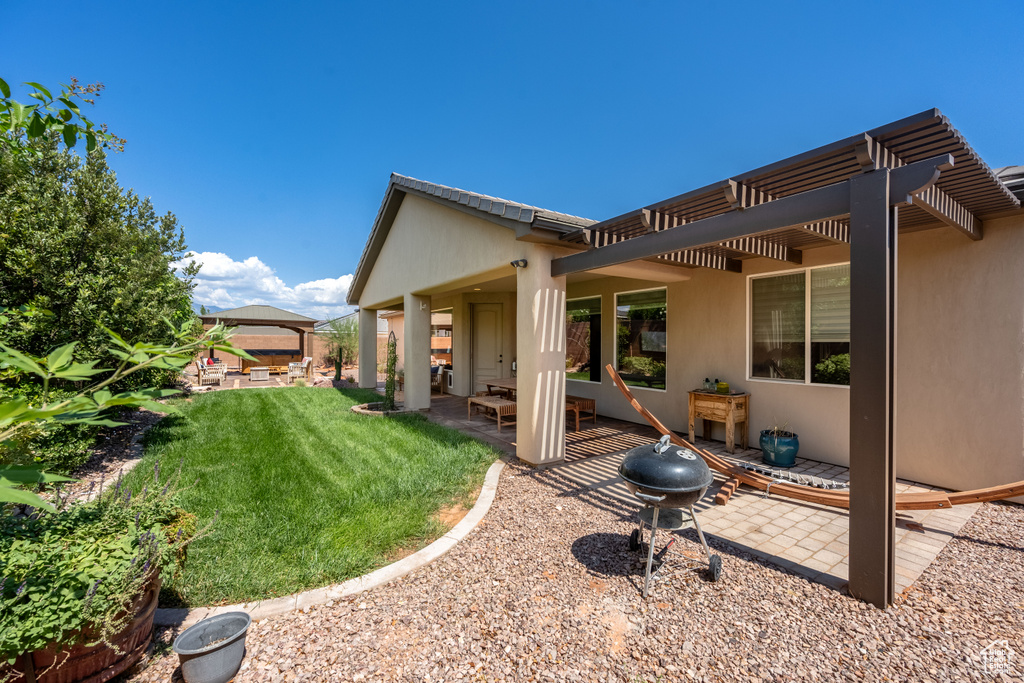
779, 446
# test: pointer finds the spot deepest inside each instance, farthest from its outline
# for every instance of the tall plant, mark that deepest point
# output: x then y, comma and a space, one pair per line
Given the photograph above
342, 336
389, 381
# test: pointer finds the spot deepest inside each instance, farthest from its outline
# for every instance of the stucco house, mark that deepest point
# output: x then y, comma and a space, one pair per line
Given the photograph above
867, 293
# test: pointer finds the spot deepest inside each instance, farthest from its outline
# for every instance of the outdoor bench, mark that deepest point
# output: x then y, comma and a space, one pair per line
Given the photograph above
502, 407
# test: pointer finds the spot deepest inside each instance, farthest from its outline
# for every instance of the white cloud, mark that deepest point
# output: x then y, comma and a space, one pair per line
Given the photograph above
226, 283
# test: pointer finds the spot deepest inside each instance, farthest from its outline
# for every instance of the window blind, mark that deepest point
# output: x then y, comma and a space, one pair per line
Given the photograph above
830, 304
777, 309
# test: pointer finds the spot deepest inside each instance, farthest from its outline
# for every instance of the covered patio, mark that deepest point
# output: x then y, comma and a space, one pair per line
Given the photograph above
807, 539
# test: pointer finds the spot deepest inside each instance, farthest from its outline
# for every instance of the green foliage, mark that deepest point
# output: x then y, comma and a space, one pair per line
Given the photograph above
87, 407
342, 342
92, 255
389, 382
642, 365
71, 576
833, 370
58, 447
59, 117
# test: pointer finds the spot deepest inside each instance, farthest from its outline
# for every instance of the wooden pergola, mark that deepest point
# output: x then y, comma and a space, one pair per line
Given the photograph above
914, 174
263, 316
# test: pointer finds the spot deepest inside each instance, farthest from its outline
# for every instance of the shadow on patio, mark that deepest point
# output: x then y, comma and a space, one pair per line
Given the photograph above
808, 539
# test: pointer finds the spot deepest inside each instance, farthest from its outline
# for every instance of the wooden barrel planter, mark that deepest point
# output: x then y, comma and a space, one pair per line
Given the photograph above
95, 664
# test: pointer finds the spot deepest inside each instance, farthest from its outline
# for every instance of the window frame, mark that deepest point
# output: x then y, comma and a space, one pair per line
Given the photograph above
615, 332
808, 369
600, 298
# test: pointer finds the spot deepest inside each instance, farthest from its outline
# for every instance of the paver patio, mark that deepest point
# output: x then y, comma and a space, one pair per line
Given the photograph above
806, 538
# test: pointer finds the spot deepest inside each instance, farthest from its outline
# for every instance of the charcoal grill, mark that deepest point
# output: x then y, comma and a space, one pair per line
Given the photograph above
668, 480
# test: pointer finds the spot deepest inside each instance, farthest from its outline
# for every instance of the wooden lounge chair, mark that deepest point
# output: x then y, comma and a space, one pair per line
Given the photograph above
299, 370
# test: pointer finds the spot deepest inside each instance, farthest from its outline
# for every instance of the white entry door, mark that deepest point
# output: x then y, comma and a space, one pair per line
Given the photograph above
487, 352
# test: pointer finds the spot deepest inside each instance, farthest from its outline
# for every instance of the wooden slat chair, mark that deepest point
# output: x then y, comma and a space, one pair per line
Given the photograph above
299, 370
211, 374
577, 405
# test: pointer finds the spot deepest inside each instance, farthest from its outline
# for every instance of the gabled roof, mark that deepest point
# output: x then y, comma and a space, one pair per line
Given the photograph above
257, 312
514, 215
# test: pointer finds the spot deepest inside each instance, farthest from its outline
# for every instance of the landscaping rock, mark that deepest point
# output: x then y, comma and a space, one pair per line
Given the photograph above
541, 594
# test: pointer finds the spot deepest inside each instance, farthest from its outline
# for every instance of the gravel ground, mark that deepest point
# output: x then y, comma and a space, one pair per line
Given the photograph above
117, 449
545, 589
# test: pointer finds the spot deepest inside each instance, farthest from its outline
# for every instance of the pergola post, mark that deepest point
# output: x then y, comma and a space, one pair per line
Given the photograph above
540, 345
367, 348
416, 340
872, 388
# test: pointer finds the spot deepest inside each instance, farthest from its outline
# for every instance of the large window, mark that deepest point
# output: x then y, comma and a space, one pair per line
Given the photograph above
800, 326
583, 339
641, 341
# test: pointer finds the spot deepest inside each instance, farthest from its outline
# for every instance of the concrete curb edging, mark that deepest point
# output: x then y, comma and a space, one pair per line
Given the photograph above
267, 608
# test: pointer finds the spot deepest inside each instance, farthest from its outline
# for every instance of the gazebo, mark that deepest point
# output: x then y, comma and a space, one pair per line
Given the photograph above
263, 316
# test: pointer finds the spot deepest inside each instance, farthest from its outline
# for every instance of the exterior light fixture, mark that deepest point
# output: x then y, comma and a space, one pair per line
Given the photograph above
519, 263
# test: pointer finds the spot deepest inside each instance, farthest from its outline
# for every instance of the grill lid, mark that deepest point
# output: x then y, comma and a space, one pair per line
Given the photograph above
664, 467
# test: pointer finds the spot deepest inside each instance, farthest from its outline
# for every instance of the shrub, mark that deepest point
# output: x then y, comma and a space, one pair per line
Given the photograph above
58, 447
833, 370
642, 365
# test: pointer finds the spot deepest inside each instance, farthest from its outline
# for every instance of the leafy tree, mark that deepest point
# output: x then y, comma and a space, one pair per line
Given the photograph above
48, 115
76, 244
78, 255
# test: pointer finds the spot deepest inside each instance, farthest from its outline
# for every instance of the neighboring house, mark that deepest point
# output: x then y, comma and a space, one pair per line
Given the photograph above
767, 280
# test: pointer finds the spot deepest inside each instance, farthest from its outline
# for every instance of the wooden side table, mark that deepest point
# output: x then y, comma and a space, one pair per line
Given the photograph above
732, 409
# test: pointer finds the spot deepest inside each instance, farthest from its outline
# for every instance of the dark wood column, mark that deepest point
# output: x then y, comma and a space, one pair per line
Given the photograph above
872, 388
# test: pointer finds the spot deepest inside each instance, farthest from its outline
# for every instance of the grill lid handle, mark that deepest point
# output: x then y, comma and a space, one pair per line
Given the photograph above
663, 444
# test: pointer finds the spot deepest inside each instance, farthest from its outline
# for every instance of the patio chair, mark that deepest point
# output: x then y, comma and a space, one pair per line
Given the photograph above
299, 370
211, 374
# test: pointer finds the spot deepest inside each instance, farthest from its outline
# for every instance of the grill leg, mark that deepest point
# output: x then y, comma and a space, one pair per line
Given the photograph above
707, 553
650, 552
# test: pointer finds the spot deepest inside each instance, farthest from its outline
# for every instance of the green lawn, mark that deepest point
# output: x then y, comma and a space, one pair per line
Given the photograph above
309, 493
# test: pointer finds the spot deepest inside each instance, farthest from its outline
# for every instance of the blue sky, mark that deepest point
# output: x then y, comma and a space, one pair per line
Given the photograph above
270, 129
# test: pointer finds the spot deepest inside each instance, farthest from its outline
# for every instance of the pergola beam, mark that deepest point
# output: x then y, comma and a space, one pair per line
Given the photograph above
932, 200
702, 259
757, 246
835, 231
832, 201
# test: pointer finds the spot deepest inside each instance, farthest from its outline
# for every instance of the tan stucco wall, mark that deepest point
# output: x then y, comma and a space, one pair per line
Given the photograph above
960, 354
431, 248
